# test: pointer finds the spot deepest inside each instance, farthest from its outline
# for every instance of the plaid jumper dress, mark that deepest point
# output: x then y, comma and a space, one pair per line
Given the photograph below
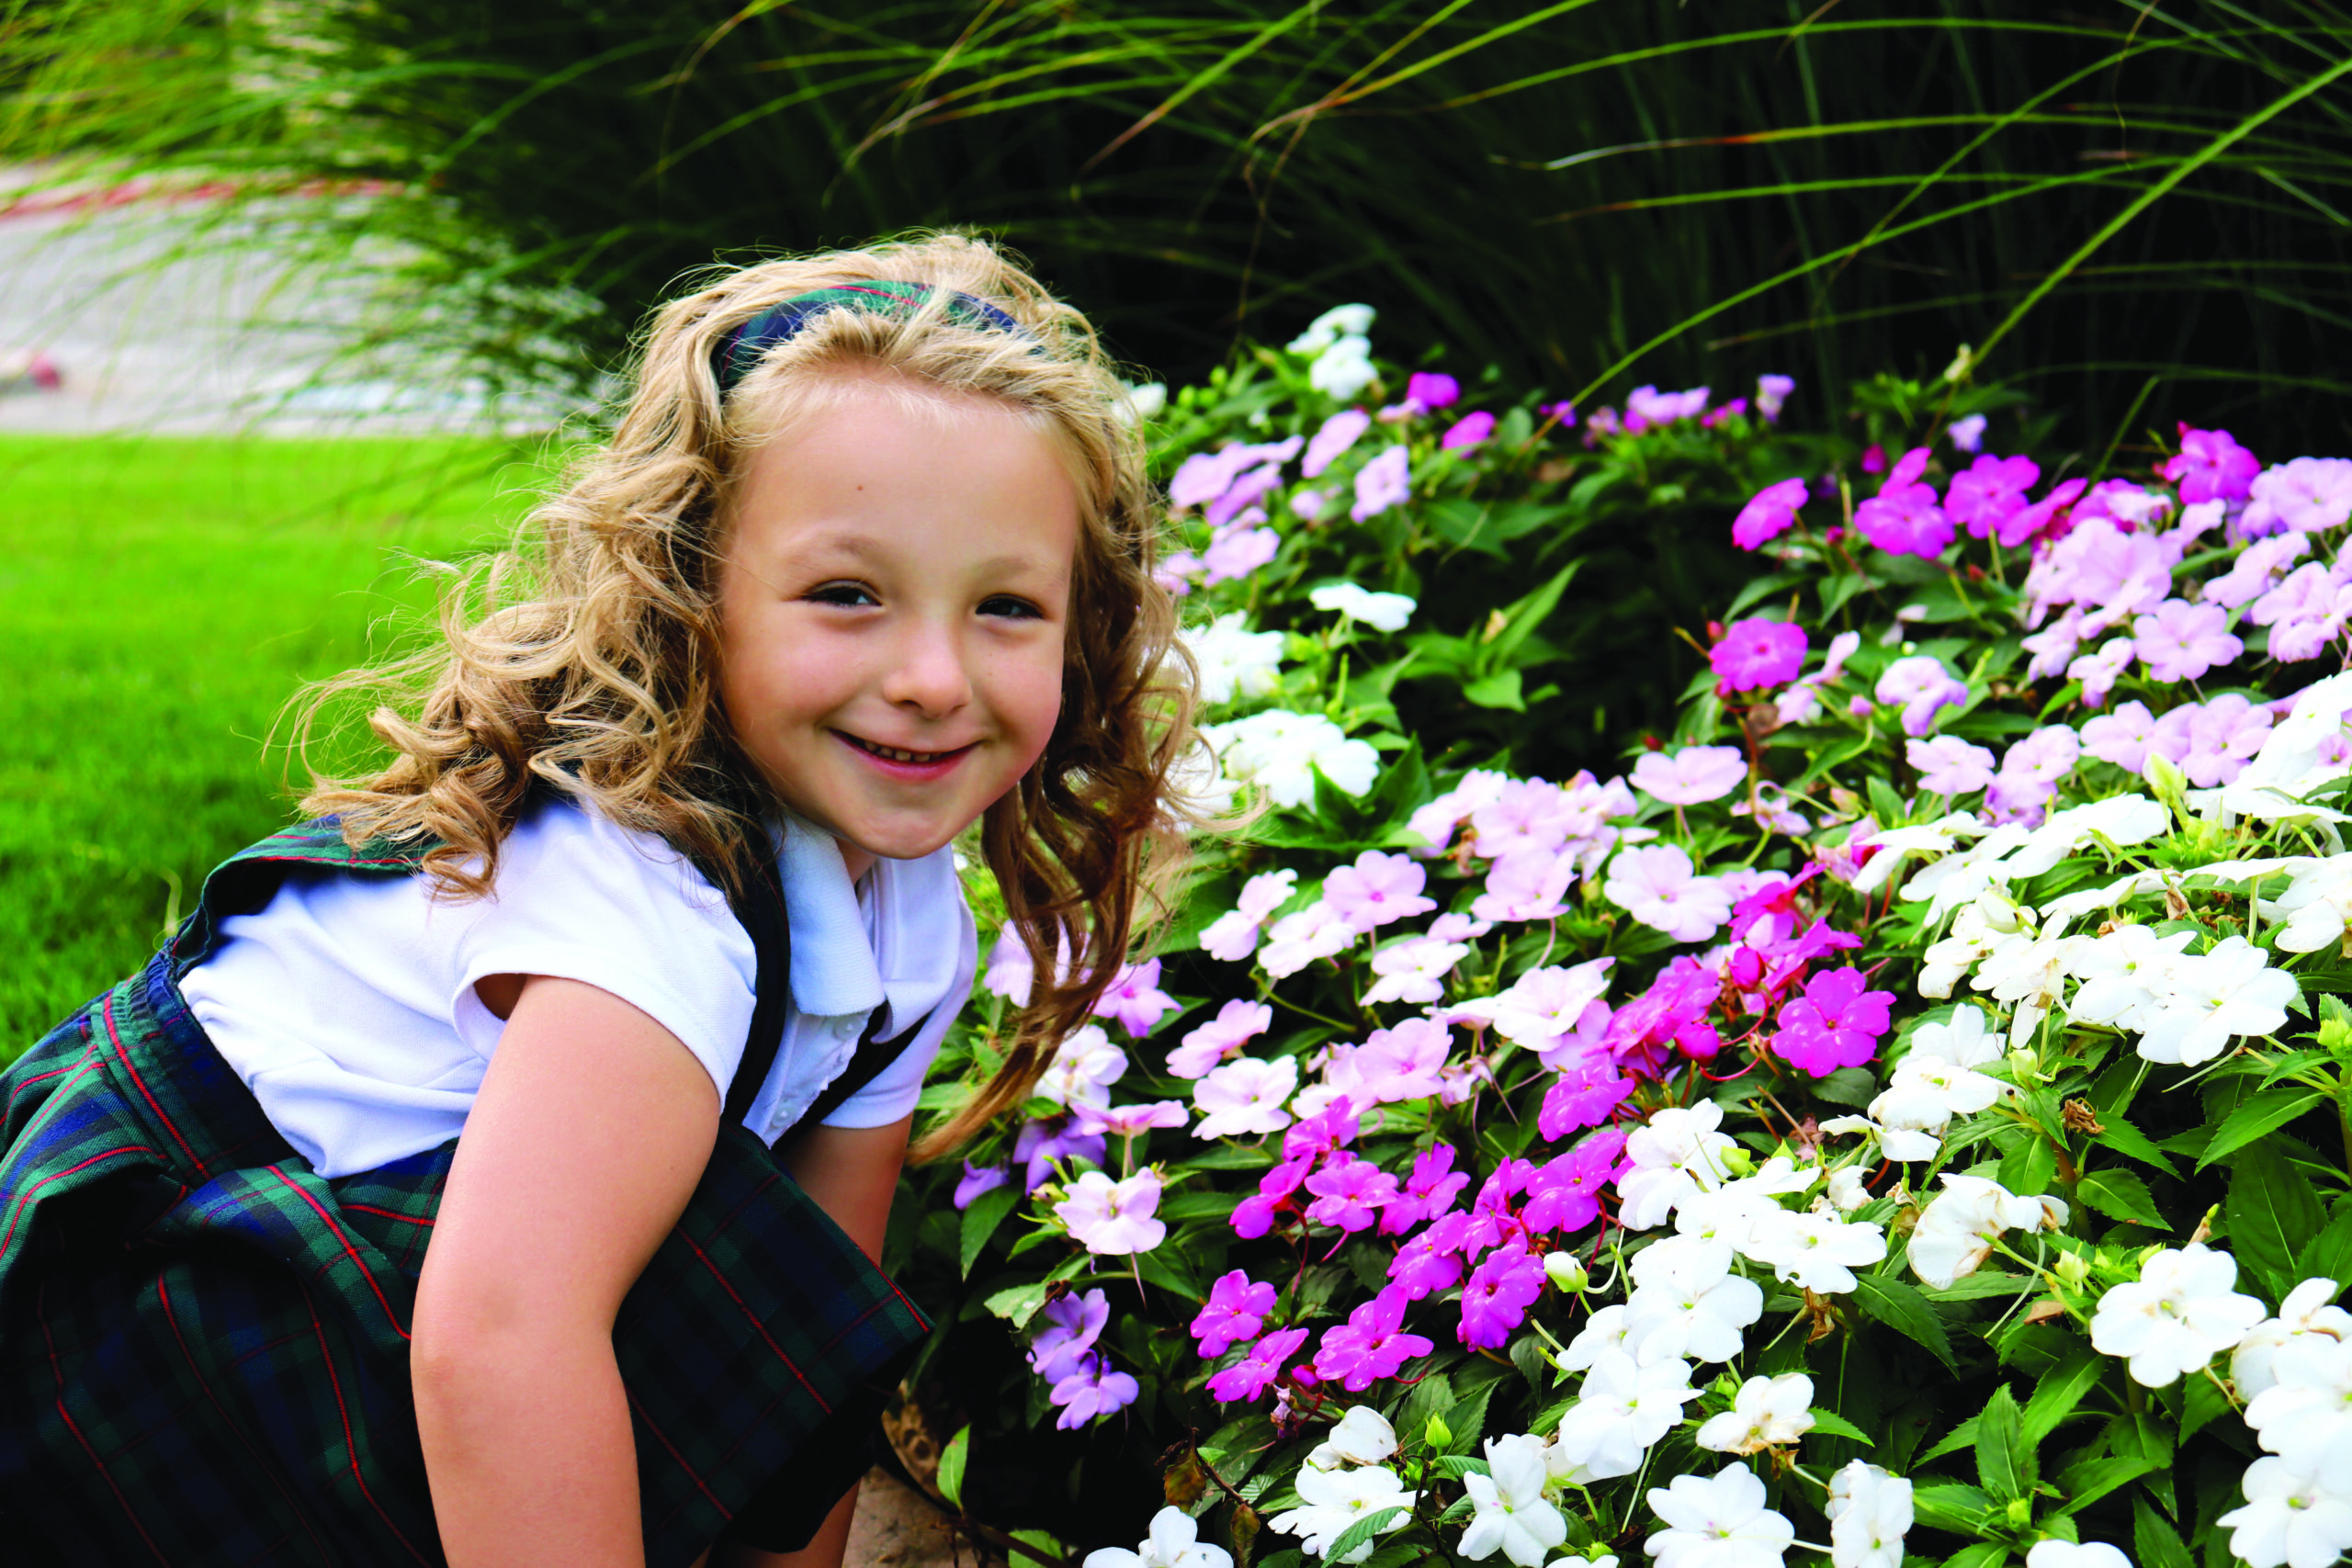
204, 1344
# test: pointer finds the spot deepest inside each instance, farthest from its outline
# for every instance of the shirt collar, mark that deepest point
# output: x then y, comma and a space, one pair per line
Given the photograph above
833, 972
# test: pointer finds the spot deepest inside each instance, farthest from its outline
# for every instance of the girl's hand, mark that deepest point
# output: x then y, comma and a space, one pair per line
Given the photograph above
592, 1128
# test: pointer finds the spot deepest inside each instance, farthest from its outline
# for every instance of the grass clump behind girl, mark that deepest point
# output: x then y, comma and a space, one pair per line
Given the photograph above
491, 1167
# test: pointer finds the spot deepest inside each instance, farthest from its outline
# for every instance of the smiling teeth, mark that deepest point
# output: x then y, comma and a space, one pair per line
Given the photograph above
894, 754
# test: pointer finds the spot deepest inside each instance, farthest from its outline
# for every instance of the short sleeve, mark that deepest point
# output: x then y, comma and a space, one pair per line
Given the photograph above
581, 897
893, 1091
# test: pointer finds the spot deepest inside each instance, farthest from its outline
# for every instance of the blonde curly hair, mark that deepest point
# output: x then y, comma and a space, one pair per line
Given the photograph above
586, 659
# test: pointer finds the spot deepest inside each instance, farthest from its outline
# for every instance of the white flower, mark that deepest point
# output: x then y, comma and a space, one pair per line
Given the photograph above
1384, 612
1279, 751
2316, 905
1234, 660
1683, 1312
1331, 1500
1870, 1513
1718, 1522
1301, 937
1956, 1231
1114, 1218
1658, 887
1245, 1096
2126, 975
1512, 1517
1677, 1152
1622, 1410
1816, 1252
1604, 1331
1084, 1066
2306, 1417
1765, 1411
1344, 370
2289, 1520
2306, 1311
1362, 1437
1339, 321
1174, 1543
2180, 1314
2229, 992
2066, 1554
2027, 971
1846, 1192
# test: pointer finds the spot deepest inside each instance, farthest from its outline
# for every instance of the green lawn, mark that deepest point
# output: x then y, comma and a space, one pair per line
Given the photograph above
160, 600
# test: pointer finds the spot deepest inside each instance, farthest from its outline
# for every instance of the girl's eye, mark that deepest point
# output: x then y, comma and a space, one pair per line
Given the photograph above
1005, 604
850, 595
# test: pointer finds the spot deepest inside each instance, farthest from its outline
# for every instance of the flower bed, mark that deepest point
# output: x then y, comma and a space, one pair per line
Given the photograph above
1901, 1117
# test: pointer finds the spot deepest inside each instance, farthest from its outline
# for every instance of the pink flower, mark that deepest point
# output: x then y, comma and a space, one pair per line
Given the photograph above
1333, 1128
2211, 467
2122, 737
1175, 571
1240, 551
1755, 653
1346, 1194
1245, 1096
1377, 890
1989, 491
2045, 756
1339, 433
1948, 765
1647, 406
1837, 1023
1430, 390
1523, 814
1243, 496
2252, 572
2099, 672
1467, 432
1234, 936
1565, 1193
1585, 1097
1236, 1024
1526, 884
1131, 1121
1399, 1064
1773, 395
1382, 484
1205, 476
1250, 1378
1770, 513
2307, 495
1135, 999
1235, 1311
1111, 1219
1496, 1298
2223, 736
1658, 887
1084, 1067
1413, 970
2180, 642
1371, 1345
1922, 685
1011, 971
1693, 775
2054, 644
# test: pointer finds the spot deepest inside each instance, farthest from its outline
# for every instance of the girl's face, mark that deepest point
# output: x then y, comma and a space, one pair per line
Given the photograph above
891, 607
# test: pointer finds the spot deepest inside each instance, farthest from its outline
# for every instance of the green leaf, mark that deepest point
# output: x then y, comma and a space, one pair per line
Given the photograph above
1961, 1437
2202, 1405
2083, 1484
1948, 1506
2130, 1142
1017, 1303
1983, 1555
2120, 1195
981, 1218
2265, 1112
1907, 1311
1829, 1423
2028, 1170
1468, 1419
2057, 1393
2159, 1545
1984, 1285
1362, 1531
952, 1459
1523, 617
2329, 1254
2273, 1214
1499, 690
2003, 1462
1454, 1467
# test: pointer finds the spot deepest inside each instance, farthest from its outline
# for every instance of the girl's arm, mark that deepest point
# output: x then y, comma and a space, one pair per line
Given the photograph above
593, 1127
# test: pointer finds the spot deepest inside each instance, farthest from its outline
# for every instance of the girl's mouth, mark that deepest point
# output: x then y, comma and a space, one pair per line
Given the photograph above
900, 763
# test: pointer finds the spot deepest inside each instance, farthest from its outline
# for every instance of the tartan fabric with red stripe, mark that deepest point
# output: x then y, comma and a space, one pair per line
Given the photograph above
204, 1344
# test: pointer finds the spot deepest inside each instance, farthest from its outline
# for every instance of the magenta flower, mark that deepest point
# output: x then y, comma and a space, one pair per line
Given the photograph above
1585, 1097
2040, 518
1670, 1016
978, 1180
1382, 484
1371, 1345
1990, 490
1254, 1217
1921, 685
1773, 395
1429, 1192
1948, 765
1769, 514
1092, 1391
1430, 390
1755, 653
1347, 1192
2211, 467
1566, 1195
1235, 1311
1467, 432
1135, 999
1837, 1023
1375, 890
1339, 433
1431, 1260
1249, 1377
1905, 519
2180, 641
1496, 1298
1332, 1129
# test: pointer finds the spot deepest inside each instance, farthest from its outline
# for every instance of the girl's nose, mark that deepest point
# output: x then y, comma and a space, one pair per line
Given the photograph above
929, 674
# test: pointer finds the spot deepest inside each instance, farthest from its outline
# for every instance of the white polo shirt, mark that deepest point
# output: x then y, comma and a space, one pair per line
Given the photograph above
347, 1005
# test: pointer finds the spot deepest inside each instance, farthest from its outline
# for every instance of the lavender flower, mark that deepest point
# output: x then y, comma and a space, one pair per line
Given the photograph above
1339, 433
1921, 685
1382, 484
1967, 432
1773, 395
978, 1180
1250, 1378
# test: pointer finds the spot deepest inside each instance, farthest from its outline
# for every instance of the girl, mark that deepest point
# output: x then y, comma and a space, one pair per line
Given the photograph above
491, 1167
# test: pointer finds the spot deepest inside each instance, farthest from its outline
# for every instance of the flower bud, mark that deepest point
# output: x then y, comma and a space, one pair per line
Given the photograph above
2074, 1268
1563, 1270
1438, 1433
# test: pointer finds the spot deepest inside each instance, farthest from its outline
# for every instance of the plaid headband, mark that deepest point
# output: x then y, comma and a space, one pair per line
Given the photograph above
742, 349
